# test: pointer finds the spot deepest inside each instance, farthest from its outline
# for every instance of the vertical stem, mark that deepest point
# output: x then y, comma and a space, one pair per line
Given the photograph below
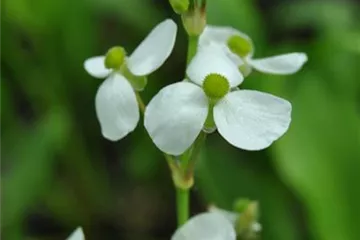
192, 47
183, 195
182, 201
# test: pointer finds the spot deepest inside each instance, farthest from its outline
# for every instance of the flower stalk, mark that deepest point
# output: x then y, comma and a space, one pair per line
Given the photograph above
194, 22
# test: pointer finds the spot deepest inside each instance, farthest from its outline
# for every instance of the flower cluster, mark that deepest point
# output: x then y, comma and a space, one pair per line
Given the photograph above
208, 99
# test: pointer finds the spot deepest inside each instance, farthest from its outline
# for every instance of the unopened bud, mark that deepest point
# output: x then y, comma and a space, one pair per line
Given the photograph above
247, 226
241, 205
179, 6
194, 20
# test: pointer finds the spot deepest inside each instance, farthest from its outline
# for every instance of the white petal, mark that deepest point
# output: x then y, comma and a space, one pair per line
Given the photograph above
220, 35
252, 120
206, 226
230, 216
210, 60
116, 107
77, 235
95, 67
154, 49
175, 116
282, 64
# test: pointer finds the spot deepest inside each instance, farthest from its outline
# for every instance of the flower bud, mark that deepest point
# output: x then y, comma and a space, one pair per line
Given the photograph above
194, 20
246, 225
115, 58
240, 45
179, 6
241, 205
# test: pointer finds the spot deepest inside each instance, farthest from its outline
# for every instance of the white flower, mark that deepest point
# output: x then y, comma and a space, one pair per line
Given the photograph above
206, 226
239, 48
116, 105
77, 235
247, 119
233, 217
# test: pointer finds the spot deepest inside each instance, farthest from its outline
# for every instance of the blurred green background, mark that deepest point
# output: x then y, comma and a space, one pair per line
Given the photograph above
57, 172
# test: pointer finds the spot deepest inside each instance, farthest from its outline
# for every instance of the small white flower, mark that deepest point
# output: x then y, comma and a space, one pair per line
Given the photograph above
239, 48
233, 218
77, 235
116, 105
247, 119
206, 226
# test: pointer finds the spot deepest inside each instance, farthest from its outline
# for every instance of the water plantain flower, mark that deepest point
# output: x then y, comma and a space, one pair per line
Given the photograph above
116, 104
247, 119
240, 49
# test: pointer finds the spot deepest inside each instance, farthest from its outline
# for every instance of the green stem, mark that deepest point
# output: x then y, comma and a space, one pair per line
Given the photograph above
183, 194
182, 202
192, 47
200, 140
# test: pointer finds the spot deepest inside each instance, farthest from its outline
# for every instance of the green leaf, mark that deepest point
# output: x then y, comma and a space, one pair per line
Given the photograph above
31, 159
319, 158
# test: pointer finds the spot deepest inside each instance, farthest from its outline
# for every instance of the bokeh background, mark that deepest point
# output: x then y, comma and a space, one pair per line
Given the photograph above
57, 172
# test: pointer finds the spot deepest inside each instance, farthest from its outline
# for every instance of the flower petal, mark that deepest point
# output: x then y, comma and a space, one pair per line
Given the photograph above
175, 116
220, 35
211, 60
95, 67
281, 64
77, 235
154, 49
206, 226
116, 107
230, 216
252, 120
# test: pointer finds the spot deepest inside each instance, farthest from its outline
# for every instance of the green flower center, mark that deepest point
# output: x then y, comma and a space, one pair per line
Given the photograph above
239, 45
216, 86
115, 57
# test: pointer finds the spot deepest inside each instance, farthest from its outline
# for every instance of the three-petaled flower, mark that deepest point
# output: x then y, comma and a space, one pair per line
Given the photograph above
247, 119
240, 49
116, 104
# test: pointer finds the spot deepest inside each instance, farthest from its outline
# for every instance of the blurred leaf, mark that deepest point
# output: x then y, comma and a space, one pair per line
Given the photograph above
330, 16
241, 15
140, 14
32, 161
319, 157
